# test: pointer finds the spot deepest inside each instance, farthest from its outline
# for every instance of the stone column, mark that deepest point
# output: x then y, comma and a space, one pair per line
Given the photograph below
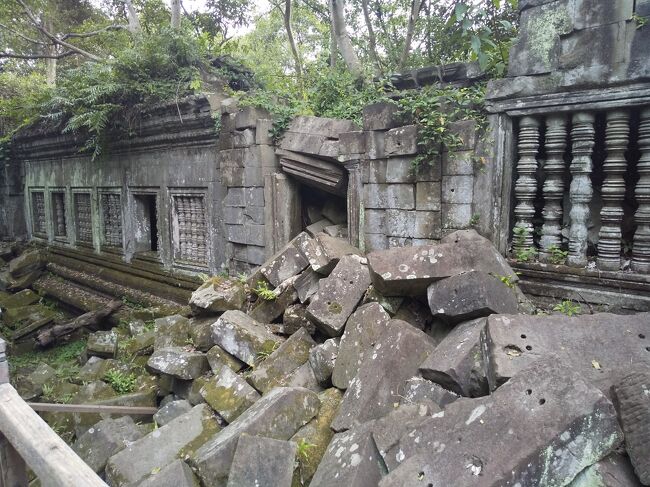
526, 184
609, 238
580, 191
355, 202
641, 245
556, 141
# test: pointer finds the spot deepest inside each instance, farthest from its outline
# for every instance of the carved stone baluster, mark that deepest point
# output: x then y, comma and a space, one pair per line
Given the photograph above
556, 141
580, 191
641, 245
609, 239
526, 185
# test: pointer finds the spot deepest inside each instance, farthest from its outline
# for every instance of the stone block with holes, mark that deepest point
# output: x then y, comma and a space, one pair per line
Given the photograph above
401, 141
599, 347
541, 428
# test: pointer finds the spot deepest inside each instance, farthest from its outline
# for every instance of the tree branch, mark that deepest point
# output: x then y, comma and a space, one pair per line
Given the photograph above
93, 33
36, 56
29, 39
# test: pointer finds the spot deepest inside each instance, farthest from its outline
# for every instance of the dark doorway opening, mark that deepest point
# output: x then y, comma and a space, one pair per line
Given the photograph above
146, 225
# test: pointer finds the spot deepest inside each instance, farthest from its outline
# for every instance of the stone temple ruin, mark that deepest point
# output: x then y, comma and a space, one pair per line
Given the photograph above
404, 288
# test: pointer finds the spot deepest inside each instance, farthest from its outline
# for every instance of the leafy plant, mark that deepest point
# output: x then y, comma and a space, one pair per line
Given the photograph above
639, 21
264, 292
557, 255
507, 280
474, 220
522, 251
568, 308
303, 448
121, 382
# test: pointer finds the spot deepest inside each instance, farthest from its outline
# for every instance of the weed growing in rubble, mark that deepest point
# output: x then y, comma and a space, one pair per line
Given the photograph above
557, 255
120, 382
507, 280
264, 292
522, 252
568, 308
303, 450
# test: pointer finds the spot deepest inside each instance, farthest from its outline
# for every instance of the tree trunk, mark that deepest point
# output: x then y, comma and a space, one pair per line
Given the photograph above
176, 14
132, 16
334, 50
416, 5
337, 14
50, 63
372, 38
292, 42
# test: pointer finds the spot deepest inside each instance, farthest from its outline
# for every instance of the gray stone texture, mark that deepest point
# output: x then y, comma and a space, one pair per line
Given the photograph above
615, 470
401, 141
102, 344
171, 331
228, 394
262, 461
322, 359
381, 116
218, 357
306, 284
178, 362
381, 196
287, 263
218, 295
420, 390
176, 474
171, 411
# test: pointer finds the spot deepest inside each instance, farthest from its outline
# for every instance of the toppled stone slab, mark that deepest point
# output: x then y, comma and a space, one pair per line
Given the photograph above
419, 390
633, 404
296, 317
105, 439
176, 474
381, 377
218, 295
180, 362
362, 333
304, 377
274, 370
322, 359
228, 394
598, 346
243, 337
615, 470
171, 331
102, 344
262, 461
457, 362
390, 304
470, 295
541, 428
26, 263
338, 295
218, 357
19, 299
306, 284
31, 386
171, 411
268, 310
408, 271
278, 415
201, 333
285, 264
162, 446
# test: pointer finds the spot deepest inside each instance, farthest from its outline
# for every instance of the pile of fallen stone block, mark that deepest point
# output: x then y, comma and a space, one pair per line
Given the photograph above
415, 366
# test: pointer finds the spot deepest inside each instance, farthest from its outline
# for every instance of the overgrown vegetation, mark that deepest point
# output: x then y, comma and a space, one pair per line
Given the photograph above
264, 291
63, 358
121, 382
568, 308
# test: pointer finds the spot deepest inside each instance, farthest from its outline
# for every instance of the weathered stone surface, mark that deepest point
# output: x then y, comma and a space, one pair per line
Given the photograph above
362, 333
633, 404
615, 470
171, 331
351, 460
171, 411
334, 248
218, 357
105, 439
470, 295
401, 141
380, 380
282, 362
541, 428
306, 284
179, 362
278, 414
381, 196
327, 127
27, 263
339, 294
295, 318
352, 142
201, 333
304, 377
218, 295
102, 344
598, 346
176, 474
410, 270
415, 313
243, 337
390, 304
318, 434
262, 461
180, 437
268, 310
31, 386
228, 394
381, 116
457, 363
19, 299
285, 264
322, 358
419, 390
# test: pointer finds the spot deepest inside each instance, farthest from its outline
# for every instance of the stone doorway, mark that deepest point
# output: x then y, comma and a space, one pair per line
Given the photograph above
146, 224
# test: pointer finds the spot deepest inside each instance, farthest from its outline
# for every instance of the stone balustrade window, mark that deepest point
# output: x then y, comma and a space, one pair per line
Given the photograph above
111, 210
38, 212
190, 229
58, 214
83, 217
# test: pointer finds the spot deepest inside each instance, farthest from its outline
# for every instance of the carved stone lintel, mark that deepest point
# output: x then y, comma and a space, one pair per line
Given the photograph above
613, 190
526, 184
641, 245
580, 191
355, 202
556, 142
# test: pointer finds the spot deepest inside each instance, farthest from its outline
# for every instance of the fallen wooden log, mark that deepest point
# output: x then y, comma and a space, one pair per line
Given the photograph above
46, 337
36, 325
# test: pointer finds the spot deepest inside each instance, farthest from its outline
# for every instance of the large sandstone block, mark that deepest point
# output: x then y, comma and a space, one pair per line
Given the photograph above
267, 310
339, 294
176, 474
171, 331
162, 446
262, 461
243, 337
322, 359
401, 141
599, 347
362, 332
410, 270
274, 370
615, 470
228, 394
381, 377
218, 295
382, 116
327, 127
542, 428
278, 415
420, 390
457, 362
285, 264
470, 295
178, 362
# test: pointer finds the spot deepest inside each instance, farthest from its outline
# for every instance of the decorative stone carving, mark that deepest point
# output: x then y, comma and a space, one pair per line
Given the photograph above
58, 214
613, 190
355, 204
526, 184
191, 244
555, 145
38, 212
641, 245
580, 191
112, 219
83, 217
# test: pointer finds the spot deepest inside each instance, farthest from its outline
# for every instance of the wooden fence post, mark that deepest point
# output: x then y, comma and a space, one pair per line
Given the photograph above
13, 472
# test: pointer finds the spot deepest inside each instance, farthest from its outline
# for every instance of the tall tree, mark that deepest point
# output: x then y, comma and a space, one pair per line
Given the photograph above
343, 42
416, 6
176, 14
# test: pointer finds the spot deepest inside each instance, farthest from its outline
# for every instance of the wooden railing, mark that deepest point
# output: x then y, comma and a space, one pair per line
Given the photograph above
27, 440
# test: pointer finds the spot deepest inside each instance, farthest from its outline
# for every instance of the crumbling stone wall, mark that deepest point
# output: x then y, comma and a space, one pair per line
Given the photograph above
12, 218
